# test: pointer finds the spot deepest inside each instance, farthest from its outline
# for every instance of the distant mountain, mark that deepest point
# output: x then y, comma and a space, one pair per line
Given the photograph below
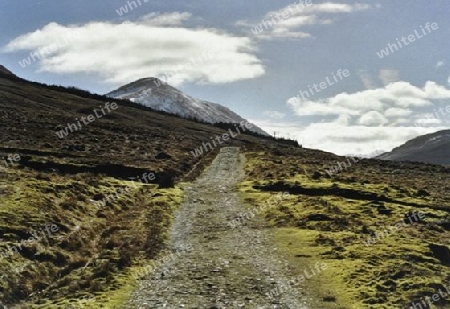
430, 148
161, 96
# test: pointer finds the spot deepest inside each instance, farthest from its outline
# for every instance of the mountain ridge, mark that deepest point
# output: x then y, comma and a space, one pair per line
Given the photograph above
155, 93
5, 71
429, 148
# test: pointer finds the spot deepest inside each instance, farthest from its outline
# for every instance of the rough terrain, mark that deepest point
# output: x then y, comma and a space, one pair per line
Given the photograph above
226, 267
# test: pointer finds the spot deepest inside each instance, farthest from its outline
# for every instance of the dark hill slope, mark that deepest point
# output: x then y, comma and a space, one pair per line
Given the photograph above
132, 135
5, 71
431, 148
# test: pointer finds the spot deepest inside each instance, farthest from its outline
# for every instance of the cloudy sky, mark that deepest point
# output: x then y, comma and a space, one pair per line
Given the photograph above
351, 77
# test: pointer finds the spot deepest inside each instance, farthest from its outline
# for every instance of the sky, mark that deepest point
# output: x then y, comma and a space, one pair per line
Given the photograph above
349, 77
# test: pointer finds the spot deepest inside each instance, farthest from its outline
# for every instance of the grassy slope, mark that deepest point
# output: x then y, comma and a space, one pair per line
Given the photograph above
95, 251
93, 248
331, 226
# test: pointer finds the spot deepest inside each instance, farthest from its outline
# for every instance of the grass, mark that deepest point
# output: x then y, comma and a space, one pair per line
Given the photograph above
61, 180
95, 250
328, 219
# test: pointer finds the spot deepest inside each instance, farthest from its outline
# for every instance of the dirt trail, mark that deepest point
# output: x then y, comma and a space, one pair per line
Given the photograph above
226, 267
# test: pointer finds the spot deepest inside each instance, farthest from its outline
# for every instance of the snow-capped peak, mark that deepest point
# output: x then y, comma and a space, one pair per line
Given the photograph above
155, 93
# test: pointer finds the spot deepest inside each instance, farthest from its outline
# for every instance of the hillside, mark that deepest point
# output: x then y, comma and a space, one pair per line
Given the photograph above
431, 148
381, 227
108, 187
5, 71
154, 93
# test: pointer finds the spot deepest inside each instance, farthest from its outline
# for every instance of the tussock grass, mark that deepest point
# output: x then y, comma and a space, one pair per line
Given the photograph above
327, 219
96, 248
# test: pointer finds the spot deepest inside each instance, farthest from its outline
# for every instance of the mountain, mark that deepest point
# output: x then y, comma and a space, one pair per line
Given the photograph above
154, 93
431, 148
5, 71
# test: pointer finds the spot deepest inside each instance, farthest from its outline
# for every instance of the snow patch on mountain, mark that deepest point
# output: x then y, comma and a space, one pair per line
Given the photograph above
154, 93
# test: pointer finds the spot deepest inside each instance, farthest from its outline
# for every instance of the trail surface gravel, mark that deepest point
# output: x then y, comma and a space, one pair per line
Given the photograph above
225, 267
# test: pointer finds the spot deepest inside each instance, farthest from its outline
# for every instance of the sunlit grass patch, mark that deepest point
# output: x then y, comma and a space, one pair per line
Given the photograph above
330, 219
97, 245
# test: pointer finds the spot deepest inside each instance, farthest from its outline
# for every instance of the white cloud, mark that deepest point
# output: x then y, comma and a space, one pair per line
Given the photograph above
330, 7
397, 112
358, 102
343, 120
166, 19
373, 118
439, 64
317, 108
394, 100
274, 114
427, 121
388, 76
359, 139
436, 91
342, 139
366, 79
156, 45
284, 33
285, 23
297, 21
404, 90
382, 118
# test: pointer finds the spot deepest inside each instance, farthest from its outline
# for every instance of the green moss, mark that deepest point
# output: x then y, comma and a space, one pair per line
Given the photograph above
94, 251
307, 229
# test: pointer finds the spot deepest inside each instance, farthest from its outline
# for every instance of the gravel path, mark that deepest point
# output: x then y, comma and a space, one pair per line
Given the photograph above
225, 267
